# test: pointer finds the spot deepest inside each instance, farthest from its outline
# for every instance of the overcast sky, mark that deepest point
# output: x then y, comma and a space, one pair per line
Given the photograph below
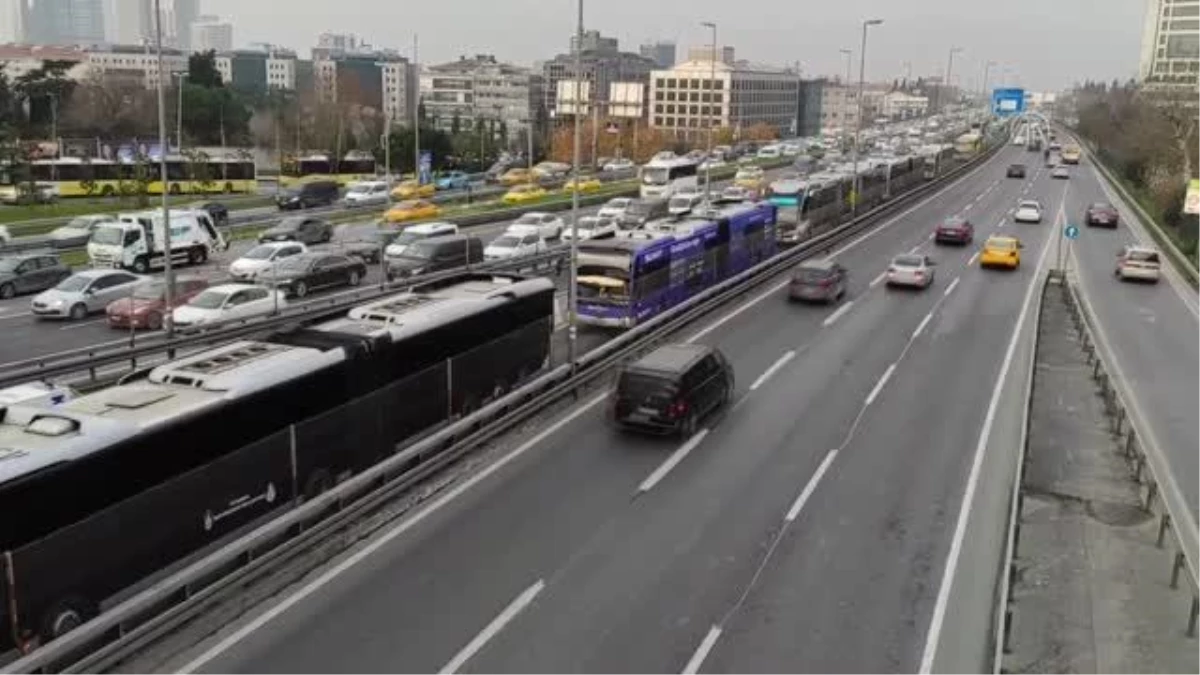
1045, 44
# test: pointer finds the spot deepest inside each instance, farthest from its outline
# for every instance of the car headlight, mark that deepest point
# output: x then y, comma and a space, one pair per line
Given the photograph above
58, 303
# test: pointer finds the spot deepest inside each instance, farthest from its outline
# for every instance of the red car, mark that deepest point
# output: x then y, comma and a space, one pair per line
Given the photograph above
1101, 213
147, 304
954, 230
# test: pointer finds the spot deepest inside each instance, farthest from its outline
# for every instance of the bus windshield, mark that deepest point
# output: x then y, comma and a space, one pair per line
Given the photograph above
110, 236
655, 175
602, 288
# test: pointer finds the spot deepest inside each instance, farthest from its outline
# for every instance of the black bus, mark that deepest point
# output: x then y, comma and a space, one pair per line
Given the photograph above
107, 489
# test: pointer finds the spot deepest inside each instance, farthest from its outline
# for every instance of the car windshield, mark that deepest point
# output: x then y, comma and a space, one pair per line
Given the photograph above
74, 283
107, 235
296, 264
80, 223
618, 203
654, 175
209, 300
154, 290
288, 224
260, 253
645, 387
1143, 256
954, 223
405, 238
506, 241
1001, 244
420, 251
812, 274
1101, 206
1030, 205
528, 219
10, 264
909, 261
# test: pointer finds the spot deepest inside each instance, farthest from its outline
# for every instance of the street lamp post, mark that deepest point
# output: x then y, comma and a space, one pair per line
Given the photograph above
416, 115
946, 82
849, 54
712, 102
169, 295
862, 72
987, 69
182, 75
572, 292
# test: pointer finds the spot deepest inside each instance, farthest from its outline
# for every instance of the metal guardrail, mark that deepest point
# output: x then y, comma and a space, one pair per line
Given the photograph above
143, 617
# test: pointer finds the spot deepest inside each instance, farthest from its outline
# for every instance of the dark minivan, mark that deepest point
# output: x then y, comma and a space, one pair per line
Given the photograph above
669, 390
641, 211
435, 254
308, 195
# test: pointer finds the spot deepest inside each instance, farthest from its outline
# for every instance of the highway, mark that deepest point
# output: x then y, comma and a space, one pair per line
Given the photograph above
1152, 329
806, 528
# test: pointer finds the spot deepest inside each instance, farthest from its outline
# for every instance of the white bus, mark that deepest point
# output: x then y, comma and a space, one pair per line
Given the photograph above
662, 178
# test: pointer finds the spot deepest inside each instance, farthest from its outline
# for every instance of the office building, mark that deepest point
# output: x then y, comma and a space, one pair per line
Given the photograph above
899, 105
130, 22
602, 64
685, 101
66, 22
258, 69
14, 21
1171, 43
183, 13
210, 33
135, 63
662, 53
481, 88
349, 71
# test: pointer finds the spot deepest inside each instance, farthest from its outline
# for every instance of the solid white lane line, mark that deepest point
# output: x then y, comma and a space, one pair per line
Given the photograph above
915, 248
953, 285
933, 636
1001, 223
701, 653
921, 326
973, 259
510, 612
781, 362
887, 375
841, 311
81, 324
875, 282
811, 486
400, 528
671, 462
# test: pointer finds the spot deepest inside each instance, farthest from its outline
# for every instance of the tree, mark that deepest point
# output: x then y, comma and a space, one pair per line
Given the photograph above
402, 151
199, 169
214, 115
202, 70
761, 132
109, 107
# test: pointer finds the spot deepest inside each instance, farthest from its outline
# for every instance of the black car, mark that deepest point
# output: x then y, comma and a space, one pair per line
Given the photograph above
216, 210
818, 280
1101, 214
298, 275
370, 249
641, 211
298, 228
30, 273
1016, 171
669, 390
308, 195
435, 254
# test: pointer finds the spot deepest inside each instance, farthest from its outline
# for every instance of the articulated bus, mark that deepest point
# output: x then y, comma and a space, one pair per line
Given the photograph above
356, 166
108, 491
639, 274
78, 177
662, 178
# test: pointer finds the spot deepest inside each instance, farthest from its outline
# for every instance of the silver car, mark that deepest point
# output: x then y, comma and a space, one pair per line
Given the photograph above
83, 293
914, 271
78, 230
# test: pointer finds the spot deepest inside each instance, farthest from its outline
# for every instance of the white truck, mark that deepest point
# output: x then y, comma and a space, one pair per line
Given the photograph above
135, 241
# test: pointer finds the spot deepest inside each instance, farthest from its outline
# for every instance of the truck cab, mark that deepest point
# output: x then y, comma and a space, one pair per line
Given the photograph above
136, 240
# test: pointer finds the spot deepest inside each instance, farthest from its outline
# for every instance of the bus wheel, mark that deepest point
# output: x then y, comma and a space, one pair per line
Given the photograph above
106, 191
228, 188
174, 188
197, 256
141, 265
318, 483
65, 616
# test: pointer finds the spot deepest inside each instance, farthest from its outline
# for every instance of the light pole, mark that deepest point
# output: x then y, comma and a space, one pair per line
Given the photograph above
416, 115
169, 296
181, 75
987, 69
946, 82
572, 292
712, 102
849, 54
862, 72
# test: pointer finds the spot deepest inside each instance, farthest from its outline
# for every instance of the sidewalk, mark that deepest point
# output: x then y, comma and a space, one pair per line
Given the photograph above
1091, 590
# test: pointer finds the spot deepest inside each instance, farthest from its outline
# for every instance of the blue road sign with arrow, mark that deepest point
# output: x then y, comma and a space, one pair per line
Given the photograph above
1071, 232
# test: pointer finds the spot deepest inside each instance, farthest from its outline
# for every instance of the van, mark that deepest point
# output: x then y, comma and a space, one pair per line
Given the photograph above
641, 211
308, 195
683, 204
415, 233
671, 389
435, 254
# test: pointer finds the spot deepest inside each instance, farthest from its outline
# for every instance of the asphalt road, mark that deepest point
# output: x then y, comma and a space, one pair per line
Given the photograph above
804, 529
27, 337
1152, 329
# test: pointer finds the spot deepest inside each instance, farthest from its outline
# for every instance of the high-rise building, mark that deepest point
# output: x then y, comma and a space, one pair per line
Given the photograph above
258, 69
66, 22
661, 53
346, 70
602, 63
14, 21
1171, 43
210, 33
481, 88
183, 14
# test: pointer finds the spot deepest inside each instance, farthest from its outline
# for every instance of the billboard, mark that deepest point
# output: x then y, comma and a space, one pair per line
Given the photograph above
1008, 102
565, 97
626, 99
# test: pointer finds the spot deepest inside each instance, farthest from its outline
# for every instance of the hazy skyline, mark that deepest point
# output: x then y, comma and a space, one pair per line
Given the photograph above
1045, 45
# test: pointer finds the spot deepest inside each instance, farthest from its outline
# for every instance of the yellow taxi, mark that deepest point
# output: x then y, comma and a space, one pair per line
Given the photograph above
517, 176
750, 177
412, 209
1001, 252
585, 185
523, 193
411, 189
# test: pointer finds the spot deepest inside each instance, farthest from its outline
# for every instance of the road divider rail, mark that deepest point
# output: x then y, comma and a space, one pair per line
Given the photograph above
171, 601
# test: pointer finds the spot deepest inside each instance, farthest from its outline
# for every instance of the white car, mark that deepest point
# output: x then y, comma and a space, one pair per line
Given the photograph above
550, 226
367, 193
228, 301
619, 165
711, 164
1028, 211
514, 245
263, 257
769, 152
415, 233
593, 227
5, 237
615, 207
1138, 262
682, 204
738, 193
915, 271
1060, 171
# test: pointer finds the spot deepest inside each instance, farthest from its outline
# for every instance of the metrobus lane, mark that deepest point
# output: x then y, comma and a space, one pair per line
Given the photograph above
1151, 329
855, 574
530, 513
